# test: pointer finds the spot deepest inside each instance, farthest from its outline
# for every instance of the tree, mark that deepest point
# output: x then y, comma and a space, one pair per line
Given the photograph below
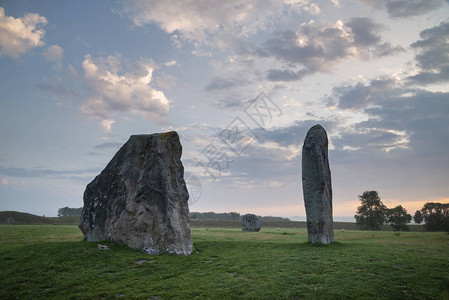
62, 212
371, 215
435, 215
67, 211
398, 218
418, 217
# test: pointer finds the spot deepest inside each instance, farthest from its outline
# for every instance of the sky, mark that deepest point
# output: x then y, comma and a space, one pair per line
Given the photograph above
241, 82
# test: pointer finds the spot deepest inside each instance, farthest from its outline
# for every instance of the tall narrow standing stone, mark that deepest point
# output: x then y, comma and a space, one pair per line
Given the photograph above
140, 199
317, 187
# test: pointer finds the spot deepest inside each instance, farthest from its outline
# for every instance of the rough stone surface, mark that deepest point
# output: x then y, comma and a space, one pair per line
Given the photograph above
251, 222
317, 186
140, 199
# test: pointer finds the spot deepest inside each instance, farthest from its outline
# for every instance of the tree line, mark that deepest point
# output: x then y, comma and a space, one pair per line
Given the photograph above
372, 214
231, 216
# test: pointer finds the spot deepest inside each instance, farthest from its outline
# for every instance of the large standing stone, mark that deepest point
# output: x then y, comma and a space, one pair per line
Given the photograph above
317, 187
140, 199
251, 222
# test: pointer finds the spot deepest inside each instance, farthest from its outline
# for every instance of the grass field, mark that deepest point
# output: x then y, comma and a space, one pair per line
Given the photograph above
47, 261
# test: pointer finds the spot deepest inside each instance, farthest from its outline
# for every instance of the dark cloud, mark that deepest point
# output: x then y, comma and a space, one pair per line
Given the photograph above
285, 75
293, 134
361, 95
275, 153
365, 30
400, 117
231, 102
412, 112
369, 139
317, 48
406, 8
433, 36
225, 83
367, 34
312, 54
431, 77
432, 55
386, 49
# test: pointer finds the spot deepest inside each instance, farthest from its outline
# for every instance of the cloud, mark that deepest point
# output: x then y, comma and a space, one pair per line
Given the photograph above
213, 24
336, 3
386, 49
70, 73
362, 95
107, 124
366, 34
422, 114
402, 141
429, 77
192, 19
406, 8
108, 145
285, 75
5, 181
365, 31
312, 46
399, 117
38, 173
56, 87
398, 114
165, 81
290, 135
432, 55
372, 139
18, 36
226, 83
318, 47
275, 184
171, 63
54, 53
275, 155
116, 85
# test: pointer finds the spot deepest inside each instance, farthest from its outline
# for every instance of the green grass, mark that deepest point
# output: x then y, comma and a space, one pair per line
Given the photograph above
46, 261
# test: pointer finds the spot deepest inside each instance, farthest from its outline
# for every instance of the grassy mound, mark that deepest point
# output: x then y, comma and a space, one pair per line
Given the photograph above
16, 217
20, 218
